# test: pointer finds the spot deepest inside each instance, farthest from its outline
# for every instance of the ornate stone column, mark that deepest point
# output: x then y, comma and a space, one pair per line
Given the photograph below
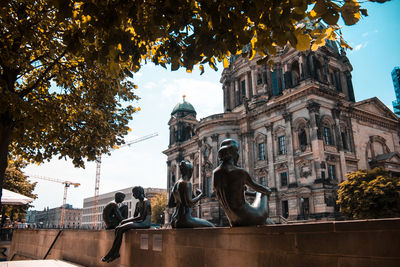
237, 94
214, 139
254, 80
270, 153
289, 149
225, 89
250, 151
247, 83
301, 67
316, 138
339, 145
232, 94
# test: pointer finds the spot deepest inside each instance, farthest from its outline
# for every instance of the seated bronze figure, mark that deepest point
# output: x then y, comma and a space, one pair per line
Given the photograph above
113, 214
140, 220
230, 183
181, 198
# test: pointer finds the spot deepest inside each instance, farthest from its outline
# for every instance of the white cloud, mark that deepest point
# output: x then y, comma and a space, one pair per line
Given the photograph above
359, 46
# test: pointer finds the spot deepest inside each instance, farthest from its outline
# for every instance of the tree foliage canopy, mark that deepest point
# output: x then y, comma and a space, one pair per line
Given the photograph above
65, 64
368, 194
158, 205
16, 181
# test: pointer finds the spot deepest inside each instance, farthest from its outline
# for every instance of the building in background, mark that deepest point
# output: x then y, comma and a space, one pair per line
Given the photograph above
51, 218
396, 85
299, 130
104, 199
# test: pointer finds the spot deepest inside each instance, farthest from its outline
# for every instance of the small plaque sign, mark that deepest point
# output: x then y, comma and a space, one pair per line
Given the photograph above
157, 242
144, 241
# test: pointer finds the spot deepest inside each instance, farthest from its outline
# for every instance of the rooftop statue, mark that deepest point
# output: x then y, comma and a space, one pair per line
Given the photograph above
114, 213
181, 198
140, 220
230, 183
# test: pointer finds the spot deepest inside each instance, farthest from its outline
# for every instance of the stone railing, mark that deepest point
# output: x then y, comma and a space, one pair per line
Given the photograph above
338, 244
219, 116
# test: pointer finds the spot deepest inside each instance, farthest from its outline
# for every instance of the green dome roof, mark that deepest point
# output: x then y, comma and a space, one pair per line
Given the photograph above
183, 107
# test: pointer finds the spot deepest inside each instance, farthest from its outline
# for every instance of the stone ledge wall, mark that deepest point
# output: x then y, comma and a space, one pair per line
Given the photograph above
336, 244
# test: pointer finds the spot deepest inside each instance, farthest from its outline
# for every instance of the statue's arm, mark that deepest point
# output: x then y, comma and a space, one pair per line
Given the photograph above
136, 216
118, 213
171, 200
256, 186
188, 195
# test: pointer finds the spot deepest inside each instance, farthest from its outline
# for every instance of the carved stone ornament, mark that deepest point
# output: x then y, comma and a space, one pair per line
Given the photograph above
215, 137
305, 171
330, 158
207, 166
287, 116
260, 172
270, 126
313, 106
282, 166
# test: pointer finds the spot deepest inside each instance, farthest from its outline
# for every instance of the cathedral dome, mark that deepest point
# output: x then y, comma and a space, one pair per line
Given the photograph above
184, 106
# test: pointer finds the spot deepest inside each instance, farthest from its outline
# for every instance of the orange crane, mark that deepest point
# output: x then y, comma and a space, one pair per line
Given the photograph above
98, 168
66, 184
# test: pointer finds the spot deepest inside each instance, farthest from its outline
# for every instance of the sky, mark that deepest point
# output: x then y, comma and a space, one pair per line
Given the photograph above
376, 51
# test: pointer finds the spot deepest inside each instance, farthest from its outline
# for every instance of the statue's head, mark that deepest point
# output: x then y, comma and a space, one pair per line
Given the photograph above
138, 192
186, 169
119, 197
229, 150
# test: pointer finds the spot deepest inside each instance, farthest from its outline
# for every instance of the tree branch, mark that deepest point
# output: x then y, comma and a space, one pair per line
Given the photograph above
40, 79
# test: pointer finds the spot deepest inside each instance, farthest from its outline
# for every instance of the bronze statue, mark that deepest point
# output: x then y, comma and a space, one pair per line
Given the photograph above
230, 186
181, 198
140, 220
113, 214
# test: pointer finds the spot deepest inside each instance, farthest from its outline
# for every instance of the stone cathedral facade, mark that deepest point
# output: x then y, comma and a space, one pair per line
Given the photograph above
299, 129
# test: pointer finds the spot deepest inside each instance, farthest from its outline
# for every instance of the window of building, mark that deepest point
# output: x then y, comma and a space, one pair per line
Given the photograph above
305, 207
261, 151
243, 89
274, 80
285, 209
284, 180
263, 181
344, 141
323, 175
282, 145
265, 76
302, 137
259, 78
331, 172
328, 136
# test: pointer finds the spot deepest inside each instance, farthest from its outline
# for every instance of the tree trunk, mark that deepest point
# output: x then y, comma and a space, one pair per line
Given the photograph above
6, 128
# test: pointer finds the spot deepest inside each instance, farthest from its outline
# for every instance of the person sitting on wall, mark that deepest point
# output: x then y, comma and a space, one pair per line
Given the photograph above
140, 220
113, 213
230, 186
181, 198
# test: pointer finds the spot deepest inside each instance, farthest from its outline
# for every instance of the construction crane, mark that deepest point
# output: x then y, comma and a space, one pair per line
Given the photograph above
66, 184
98, 168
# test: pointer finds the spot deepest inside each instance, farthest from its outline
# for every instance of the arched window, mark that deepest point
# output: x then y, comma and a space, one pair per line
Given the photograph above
327, 133
259, 78
302, 135
281, 145
295, 73
261, 151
